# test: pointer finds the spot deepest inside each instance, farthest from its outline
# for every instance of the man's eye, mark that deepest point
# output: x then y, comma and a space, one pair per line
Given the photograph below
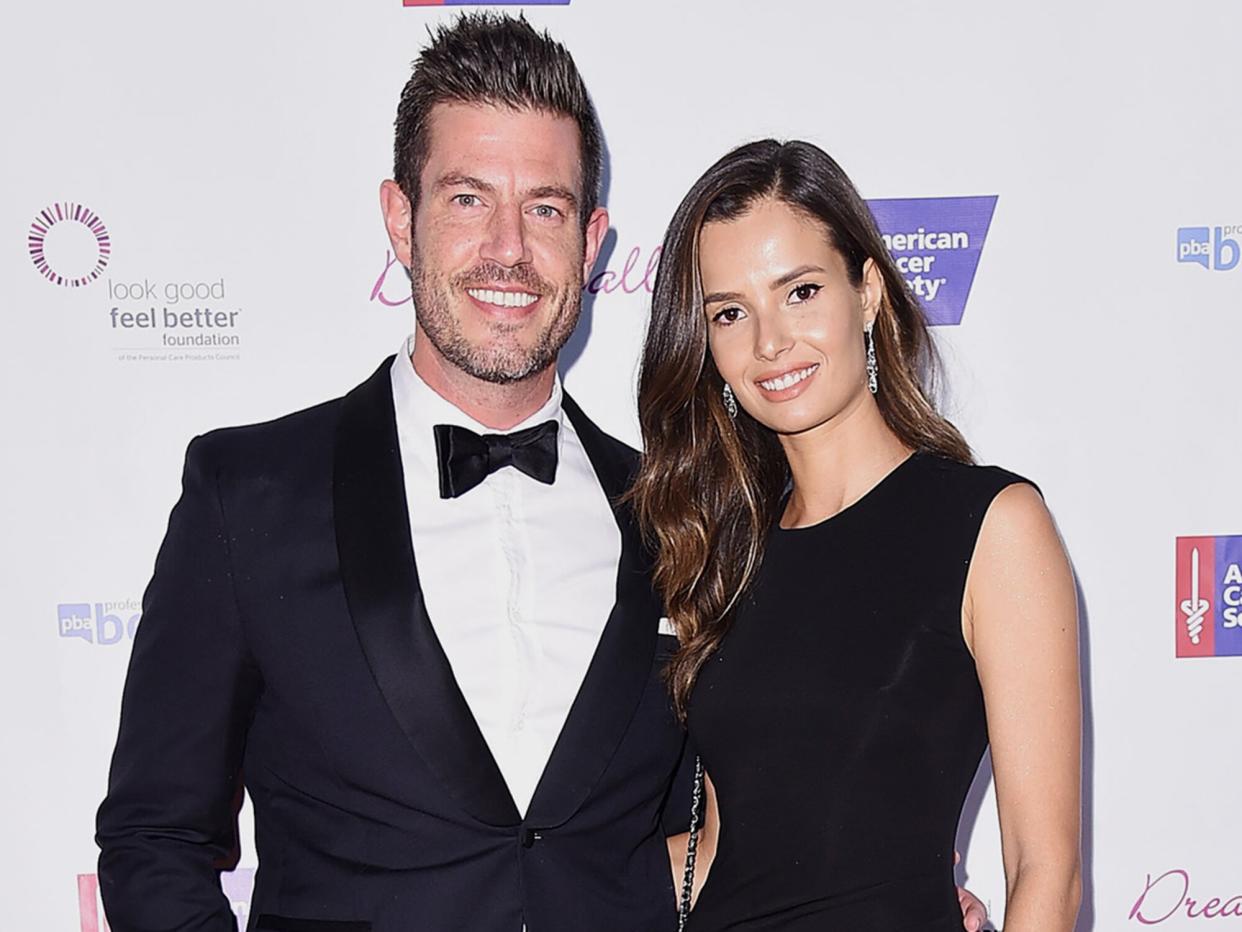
547, 211
804, 292
466, 200
727, 315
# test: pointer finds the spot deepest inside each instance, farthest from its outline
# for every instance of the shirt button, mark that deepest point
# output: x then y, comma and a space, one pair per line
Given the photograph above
529, 837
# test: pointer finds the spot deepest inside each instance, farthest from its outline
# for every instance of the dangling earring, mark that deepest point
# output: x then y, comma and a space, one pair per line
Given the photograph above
873, 367
730, 402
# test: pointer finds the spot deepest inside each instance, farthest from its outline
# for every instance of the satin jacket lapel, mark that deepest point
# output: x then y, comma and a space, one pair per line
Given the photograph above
620, 670
386, 604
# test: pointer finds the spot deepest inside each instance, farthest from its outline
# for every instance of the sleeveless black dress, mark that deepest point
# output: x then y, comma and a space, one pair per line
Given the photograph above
841, 720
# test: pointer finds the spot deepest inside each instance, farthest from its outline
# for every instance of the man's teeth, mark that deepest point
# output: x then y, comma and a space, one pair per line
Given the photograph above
788, 379
502, 298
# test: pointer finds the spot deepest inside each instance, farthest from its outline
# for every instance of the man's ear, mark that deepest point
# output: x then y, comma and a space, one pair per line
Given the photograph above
399, 220
596, 230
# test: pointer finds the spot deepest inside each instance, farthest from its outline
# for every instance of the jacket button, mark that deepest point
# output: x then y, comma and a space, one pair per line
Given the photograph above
529, 837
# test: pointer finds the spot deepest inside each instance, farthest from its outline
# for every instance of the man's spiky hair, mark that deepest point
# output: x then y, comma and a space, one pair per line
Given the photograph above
492, 58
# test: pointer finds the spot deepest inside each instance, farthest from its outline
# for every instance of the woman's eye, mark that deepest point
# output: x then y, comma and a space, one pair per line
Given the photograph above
727, 315
804, 292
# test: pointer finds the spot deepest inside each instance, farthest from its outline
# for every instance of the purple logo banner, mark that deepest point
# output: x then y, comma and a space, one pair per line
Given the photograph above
1229, 596
937, 242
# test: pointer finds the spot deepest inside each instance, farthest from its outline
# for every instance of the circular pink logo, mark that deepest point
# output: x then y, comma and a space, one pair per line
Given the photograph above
67, 212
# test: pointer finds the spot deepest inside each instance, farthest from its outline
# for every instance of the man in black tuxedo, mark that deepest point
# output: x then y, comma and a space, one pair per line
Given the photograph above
445, 701
417, 622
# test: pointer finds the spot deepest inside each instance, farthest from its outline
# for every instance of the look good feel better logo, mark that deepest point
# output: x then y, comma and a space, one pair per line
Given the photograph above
1208, 613
145, 319
936, 242
69, 244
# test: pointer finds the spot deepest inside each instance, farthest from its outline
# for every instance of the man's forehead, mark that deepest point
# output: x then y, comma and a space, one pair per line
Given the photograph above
490, 109
464, 136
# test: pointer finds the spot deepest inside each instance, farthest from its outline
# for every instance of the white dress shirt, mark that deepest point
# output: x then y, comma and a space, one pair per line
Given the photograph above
518, 577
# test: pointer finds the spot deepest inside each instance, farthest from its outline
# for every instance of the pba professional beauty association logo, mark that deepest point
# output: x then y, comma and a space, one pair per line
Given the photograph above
238, 885
1214, 248
937, 242
69, 244
1209, 596
99, 623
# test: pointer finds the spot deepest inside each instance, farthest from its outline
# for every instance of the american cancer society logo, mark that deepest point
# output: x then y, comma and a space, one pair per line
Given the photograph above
937, 242
1209, 596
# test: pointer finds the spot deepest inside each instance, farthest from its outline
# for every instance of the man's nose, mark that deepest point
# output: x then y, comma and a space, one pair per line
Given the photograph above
505, 242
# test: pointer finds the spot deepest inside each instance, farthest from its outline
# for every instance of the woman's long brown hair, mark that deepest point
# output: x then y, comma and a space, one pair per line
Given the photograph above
710, 485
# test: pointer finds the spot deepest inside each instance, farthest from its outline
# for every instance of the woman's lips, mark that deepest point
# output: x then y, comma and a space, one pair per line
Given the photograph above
791, 383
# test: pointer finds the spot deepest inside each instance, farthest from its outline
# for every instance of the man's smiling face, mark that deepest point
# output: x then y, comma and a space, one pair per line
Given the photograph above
498, 251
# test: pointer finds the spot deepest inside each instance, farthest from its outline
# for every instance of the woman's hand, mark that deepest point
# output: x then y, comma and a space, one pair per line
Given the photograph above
974, 913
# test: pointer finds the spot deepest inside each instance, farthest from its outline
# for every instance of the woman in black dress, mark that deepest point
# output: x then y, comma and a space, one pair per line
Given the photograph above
861, 609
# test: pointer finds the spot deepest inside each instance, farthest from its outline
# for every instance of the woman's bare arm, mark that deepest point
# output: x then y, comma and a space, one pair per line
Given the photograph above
1020, 620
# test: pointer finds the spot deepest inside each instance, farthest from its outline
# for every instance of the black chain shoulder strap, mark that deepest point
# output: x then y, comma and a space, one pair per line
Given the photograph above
692, 846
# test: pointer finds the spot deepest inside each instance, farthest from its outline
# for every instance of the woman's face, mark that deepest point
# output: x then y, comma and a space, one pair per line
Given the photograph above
784, 323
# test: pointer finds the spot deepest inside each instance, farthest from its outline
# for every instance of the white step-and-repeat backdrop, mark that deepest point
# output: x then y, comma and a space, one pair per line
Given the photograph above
191, 238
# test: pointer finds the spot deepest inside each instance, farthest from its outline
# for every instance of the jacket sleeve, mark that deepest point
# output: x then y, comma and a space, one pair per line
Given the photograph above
168, 823
675, 814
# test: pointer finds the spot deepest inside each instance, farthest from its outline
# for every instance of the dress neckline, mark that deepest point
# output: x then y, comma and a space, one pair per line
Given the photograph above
852, 507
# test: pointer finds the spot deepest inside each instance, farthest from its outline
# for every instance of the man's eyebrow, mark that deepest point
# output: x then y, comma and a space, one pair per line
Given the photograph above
458, 179
554, 190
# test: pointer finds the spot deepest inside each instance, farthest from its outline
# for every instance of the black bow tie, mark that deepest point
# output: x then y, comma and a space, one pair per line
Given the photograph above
466, 458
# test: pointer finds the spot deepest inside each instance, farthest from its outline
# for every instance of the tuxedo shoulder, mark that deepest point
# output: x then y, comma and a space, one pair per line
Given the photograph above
592, 433
618, 448
289, 440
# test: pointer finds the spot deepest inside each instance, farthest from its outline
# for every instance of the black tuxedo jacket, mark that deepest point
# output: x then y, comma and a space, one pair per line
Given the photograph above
285, 644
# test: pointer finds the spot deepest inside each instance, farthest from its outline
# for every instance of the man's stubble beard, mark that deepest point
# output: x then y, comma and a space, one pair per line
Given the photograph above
502, 361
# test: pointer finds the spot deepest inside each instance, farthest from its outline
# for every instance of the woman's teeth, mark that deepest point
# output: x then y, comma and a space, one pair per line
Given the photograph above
788, 379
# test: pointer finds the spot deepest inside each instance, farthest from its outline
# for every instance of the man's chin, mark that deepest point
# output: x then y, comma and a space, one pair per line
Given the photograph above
506, 368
